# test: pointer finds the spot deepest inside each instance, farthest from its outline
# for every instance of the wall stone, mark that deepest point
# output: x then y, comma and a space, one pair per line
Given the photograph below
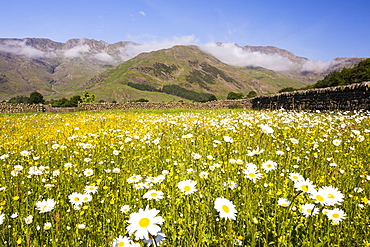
351, 97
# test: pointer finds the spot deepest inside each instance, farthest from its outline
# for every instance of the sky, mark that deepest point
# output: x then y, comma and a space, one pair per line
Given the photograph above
320, 30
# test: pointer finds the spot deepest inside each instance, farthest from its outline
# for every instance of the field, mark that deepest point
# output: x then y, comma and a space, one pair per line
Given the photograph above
185, 178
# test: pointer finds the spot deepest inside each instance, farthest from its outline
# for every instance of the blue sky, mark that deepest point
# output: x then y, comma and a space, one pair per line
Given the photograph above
318, 30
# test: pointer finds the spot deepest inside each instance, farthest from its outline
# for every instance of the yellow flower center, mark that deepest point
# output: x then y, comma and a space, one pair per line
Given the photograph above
336, 216
309, 210
144, 222
76, 199
304, 188
120, 244
295, 177
320, 198
331, 196
269, 165
225, 208
187, 188
252, 175
153, 194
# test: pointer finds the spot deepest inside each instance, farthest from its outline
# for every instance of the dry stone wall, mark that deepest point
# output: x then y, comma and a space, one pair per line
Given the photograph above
351, 97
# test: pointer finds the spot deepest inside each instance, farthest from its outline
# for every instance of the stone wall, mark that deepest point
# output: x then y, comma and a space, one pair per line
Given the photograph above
211, 105
351, 97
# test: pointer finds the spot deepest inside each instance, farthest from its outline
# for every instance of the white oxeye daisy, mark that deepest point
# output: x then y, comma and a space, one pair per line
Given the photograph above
45, 205
305, 185
309, 209
295, 177
153, 194
336, 215
269, 165
144, 223
91, 189
187, 186
75, 198
122, 242
337, 142
284, 202
225, 208
134, 178
88, 172
124, 209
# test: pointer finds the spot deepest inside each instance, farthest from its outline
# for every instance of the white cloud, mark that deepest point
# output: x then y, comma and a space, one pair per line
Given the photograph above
105, 57
76, 51
232, 54
318, 66
20, 48
142, 13
133, 50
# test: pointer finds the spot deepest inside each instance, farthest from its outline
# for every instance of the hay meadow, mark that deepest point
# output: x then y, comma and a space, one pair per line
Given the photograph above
185, 178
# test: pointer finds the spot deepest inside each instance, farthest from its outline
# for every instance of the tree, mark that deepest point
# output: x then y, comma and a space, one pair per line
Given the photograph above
251, 94
233, 95
88, 98
36, 98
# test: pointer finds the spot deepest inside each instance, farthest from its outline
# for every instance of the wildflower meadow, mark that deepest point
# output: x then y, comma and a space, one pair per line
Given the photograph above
185, 178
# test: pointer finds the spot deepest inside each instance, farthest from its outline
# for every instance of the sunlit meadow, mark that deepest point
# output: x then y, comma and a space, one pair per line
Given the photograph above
182, 178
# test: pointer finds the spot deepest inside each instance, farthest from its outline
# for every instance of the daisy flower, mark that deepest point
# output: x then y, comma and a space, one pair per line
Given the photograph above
336, 215
284, 202
91, 189
153, 194
144, 223
47, 226
122, 242
76, 198
337, 142
187, 186
203, 174
295, 177
88, 172
86, 197
327, 196
28, 220
45, 205
225, 208
309, 209
266, 129
305, 185
269, 165
134, 179
252, 174
125, 208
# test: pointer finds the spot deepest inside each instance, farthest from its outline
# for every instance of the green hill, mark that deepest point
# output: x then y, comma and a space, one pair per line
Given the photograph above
185, 72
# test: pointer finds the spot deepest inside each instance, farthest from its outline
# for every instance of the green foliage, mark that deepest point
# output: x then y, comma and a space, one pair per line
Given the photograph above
36, 98
19, 99
252, 94
287, 89
141, 100
88, 98
233, 95
357, 74
64, 102
185, 93
142, 87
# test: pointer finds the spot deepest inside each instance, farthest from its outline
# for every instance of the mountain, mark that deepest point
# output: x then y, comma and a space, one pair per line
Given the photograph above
65, 69
188, 69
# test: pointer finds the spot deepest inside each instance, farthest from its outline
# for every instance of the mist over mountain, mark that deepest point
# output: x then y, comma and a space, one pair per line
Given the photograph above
58, 69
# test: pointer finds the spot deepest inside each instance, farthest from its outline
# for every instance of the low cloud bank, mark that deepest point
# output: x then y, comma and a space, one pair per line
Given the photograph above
232, 54
20, 48
228, 53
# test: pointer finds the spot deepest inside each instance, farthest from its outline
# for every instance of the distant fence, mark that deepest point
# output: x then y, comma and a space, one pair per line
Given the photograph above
351, 97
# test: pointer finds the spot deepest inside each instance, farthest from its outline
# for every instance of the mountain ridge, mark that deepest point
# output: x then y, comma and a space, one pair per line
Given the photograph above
58, 69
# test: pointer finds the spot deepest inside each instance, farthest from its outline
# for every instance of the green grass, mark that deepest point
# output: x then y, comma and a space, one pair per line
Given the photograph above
181, 144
